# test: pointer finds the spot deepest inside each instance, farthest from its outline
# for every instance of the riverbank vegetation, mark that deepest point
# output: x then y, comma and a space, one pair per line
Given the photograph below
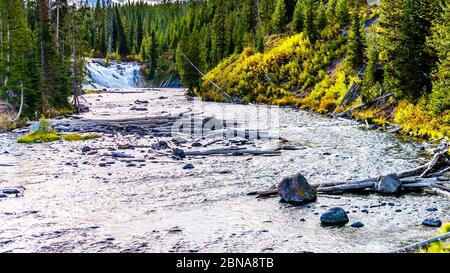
439, 247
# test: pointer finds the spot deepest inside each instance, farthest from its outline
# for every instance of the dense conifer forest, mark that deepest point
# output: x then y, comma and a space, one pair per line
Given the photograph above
295, 52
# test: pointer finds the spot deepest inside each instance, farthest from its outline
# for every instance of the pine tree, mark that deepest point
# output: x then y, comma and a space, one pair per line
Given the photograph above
321, 18
121, 38
356, 40
404, 27
279, 19
440, 41
249, 16
21, 71
331, 11
55, 69
149, 54
310, 16
415, 61
219, 32
297, 21
373, 74
389, 30
188, 55
342, 11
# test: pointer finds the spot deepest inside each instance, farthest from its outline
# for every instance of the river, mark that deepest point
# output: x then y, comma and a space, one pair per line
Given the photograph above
71, 204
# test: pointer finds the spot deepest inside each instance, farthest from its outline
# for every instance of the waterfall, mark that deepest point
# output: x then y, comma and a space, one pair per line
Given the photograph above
114, 75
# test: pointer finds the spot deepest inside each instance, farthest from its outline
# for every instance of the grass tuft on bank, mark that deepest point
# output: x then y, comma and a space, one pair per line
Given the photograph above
45, 133
42, 137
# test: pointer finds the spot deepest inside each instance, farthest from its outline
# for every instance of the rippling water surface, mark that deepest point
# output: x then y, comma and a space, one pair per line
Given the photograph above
72, 205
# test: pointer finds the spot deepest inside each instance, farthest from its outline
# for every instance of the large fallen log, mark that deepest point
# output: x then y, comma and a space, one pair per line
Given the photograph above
422, 244
347, 187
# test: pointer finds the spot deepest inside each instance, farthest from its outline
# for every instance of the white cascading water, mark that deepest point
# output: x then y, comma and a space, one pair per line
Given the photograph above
115, 75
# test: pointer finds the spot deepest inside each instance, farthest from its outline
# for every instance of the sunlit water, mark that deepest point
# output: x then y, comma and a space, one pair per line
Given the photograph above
71, 204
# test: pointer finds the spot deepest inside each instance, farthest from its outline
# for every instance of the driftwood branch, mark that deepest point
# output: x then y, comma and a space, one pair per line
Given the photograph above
437, 159
422, 244
235, 151
359, 106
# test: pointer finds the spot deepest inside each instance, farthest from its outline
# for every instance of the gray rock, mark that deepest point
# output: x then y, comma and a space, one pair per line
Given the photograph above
160, 145
188, 166
296, 189
121, 155
335, 216
11, 191
178, 153
86, 149
290, 148
388, 184
432, 222
357, 225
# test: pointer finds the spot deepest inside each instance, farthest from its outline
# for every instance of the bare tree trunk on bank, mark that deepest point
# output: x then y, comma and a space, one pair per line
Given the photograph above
110, 26
44, 17
58, 7
76, 93
8, 55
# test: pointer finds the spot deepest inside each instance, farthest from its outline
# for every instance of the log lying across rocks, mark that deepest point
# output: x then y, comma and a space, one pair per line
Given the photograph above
428, 176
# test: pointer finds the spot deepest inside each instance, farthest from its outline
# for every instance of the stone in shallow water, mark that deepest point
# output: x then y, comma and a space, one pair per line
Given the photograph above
388, 184
188, 166
335, 216
432, 222
357, 225
296, 189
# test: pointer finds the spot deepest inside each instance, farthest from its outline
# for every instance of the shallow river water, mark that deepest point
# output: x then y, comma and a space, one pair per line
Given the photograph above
71, 204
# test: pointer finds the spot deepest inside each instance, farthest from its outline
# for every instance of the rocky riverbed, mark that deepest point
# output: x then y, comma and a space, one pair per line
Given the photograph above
127, 192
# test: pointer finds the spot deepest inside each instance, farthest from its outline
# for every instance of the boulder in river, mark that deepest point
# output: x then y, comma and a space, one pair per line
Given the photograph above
388, 184
432, 222
296, 189
335, 216
179, 153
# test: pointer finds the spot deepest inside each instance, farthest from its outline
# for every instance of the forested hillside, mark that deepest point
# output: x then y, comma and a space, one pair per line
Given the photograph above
303, 52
